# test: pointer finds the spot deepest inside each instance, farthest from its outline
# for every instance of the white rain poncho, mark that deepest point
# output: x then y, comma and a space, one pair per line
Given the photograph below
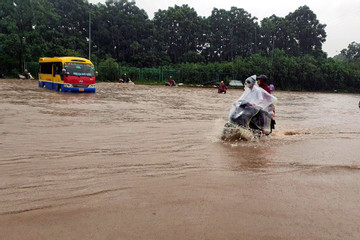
260, 100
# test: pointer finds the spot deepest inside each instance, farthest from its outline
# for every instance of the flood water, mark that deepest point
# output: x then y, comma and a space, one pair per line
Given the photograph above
148, 162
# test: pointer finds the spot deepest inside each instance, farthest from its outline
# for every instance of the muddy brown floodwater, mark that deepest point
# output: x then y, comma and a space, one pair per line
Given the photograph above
147, 162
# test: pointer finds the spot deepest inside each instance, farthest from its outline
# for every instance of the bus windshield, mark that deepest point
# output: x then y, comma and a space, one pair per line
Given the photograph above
79, 69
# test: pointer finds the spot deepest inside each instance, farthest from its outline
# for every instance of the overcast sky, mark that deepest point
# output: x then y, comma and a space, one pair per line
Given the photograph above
342, 17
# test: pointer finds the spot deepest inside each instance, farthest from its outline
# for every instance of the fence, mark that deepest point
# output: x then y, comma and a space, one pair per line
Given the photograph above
206, 78
113, 73
150, 75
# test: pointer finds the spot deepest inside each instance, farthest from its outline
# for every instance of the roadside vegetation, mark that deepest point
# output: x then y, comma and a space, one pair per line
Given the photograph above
229, 44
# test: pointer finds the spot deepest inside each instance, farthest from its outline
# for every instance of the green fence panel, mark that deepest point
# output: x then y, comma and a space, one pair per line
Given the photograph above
131, 72
150, 75
108, 73
174, 74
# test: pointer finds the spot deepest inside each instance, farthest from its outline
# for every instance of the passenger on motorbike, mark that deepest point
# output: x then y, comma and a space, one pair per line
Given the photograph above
262, 82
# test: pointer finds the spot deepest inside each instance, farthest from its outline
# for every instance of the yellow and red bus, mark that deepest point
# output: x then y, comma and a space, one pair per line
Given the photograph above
67, 74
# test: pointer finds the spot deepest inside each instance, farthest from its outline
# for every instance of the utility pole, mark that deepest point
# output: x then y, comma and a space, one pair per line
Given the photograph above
89, 35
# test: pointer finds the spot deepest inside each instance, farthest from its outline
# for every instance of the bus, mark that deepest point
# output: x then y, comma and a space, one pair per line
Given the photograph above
67, 74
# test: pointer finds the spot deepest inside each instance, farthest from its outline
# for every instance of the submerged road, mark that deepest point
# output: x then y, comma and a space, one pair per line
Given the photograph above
147, 162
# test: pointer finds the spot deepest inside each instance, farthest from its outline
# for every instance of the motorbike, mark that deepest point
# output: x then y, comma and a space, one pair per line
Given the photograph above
252, 120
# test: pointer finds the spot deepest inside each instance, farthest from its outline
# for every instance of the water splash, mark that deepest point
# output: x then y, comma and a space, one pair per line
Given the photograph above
233, 133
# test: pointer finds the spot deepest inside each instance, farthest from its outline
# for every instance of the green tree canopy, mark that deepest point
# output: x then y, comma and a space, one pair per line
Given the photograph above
232, 33
177, 31
306, 32
352, 53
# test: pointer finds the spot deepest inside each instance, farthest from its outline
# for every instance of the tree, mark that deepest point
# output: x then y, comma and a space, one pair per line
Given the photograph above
352, 53
72, 27
15, 22
274, 34
233, 33
299, 33
306, 32
177, 31
124, 31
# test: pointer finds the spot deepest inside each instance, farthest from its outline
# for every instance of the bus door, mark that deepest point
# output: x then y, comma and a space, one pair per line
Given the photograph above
56, 78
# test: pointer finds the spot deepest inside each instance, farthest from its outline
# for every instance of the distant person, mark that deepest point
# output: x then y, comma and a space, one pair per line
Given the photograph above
171, 82
27, 75
262, 82
125, 78
222, 88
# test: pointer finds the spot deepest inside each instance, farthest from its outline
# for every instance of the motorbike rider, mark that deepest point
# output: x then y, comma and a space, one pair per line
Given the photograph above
125, 78
259, 99
171, 82
28, 75
222, 88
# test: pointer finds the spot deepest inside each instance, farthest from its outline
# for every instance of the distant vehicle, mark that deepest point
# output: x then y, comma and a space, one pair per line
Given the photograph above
236, 83
66, 74
212, 83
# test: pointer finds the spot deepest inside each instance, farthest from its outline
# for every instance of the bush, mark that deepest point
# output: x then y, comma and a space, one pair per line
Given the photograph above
108, 71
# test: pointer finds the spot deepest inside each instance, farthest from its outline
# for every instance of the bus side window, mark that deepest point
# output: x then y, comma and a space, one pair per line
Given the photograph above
59, 68
45, 68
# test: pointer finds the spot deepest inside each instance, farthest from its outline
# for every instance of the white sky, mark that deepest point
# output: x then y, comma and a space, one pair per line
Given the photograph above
342, 17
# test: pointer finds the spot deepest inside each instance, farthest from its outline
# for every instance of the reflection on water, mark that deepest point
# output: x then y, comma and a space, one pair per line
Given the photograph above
63, 149
243, 157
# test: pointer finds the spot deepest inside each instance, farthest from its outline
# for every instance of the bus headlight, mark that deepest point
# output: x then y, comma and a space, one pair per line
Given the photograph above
68, 85
91, 86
